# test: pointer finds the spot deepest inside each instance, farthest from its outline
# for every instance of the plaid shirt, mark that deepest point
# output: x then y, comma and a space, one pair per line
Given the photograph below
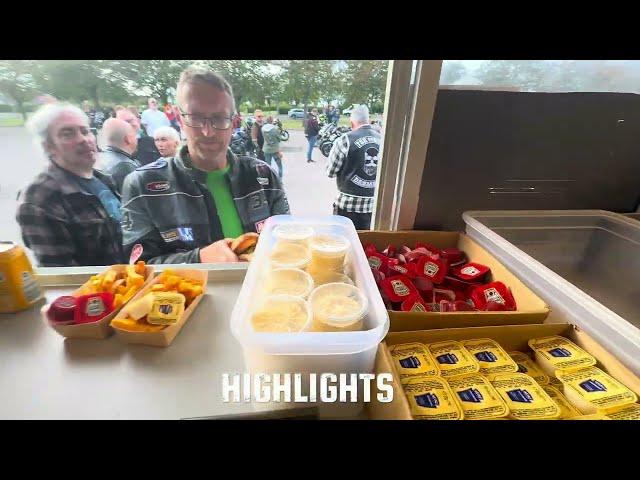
344, 201
65, 226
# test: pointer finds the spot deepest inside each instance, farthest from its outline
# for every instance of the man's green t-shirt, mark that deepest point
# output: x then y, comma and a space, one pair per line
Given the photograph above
219, 188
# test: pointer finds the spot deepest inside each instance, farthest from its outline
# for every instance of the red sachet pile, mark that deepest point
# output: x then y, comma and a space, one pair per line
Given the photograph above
428, 279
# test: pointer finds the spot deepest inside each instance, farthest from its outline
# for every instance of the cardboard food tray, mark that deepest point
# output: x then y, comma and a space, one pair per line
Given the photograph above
531, 308
510, 337
96, 330
164, 337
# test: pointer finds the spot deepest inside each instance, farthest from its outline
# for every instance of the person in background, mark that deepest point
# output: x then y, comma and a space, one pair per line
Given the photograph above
169, 111
153, 118
147, 151
311, 130
90, 113
176, 113
331, 115
117, 158
237, 121
353, 161
256, 133
271, 148
70, 213
167, 141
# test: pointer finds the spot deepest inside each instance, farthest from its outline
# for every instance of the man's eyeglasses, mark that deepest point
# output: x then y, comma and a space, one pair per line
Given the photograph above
219, 122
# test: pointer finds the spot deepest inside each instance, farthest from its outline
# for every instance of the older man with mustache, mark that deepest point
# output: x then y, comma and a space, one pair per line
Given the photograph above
70, 214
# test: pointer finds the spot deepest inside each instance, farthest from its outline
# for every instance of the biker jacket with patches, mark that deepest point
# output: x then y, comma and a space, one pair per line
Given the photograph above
168, 209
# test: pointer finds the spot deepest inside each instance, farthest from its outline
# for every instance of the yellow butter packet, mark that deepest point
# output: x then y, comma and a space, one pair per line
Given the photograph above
491, 357
524, 397
413, 359
554, 382
593, 416
478, 398
590, 389
527, 366
431, 398
453, 359
567, 410
557, 353
167, 308
628, 412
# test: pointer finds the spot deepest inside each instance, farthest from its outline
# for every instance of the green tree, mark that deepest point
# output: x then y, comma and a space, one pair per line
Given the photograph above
307, 81
17, 82
526, 75
452, 72
365, 81
78, 80
250, 79
151, 77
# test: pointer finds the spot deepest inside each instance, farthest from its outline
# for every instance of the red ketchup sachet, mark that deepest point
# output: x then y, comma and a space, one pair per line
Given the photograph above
94, 307
453, 256
457, 306
495, 296
398, 288
415, 304
63, 310
434, 269
471, 272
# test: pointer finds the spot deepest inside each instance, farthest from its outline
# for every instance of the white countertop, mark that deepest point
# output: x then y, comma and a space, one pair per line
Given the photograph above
45, 376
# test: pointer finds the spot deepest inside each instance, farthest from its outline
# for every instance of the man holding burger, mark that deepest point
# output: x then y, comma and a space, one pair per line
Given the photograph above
187, 209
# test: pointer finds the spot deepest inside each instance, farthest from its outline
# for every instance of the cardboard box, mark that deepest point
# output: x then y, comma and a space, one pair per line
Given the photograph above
510, 337
164, 337
96, 330
531, 308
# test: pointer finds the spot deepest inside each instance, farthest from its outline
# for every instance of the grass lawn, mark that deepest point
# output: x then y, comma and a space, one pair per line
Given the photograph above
296, 124
11, 122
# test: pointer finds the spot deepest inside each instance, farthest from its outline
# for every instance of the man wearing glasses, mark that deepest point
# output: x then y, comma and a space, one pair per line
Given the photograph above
182, 209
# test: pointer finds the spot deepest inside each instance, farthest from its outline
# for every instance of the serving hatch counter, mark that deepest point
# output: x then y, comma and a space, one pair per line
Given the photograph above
46, 376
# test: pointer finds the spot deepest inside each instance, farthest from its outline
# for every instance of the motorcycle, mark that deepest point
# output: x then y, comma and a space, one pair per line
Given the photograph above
330, 135
284, 134
241, 143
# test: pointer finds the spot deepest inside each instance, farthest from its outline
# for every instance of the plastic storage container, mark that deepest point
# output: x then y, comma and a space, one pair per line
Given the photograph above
585, 264
311, 352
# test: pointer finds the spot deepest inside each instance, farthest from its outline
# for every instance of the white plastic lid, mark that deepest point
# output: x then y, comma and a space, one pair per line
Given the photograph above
300, 280
322, 278
337, 290
293, 232
279, 301
290, 255
331, 245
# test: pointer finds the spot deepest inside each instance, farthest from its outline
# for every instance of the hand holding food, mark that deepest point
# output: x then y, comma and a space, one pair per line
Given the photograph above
245, 245
218, 252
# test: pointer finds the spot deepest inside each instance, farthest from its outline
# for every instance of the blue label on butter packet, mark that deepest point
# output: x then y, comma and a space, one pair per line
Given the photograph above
520, 395
472, 395
448, 358
409, 362
428, 400
593, 386
560, 352
486, 357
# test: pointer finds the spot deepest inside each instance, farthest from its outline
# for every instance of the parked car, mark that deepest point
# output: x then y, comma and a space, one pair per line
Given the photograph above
296, 113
